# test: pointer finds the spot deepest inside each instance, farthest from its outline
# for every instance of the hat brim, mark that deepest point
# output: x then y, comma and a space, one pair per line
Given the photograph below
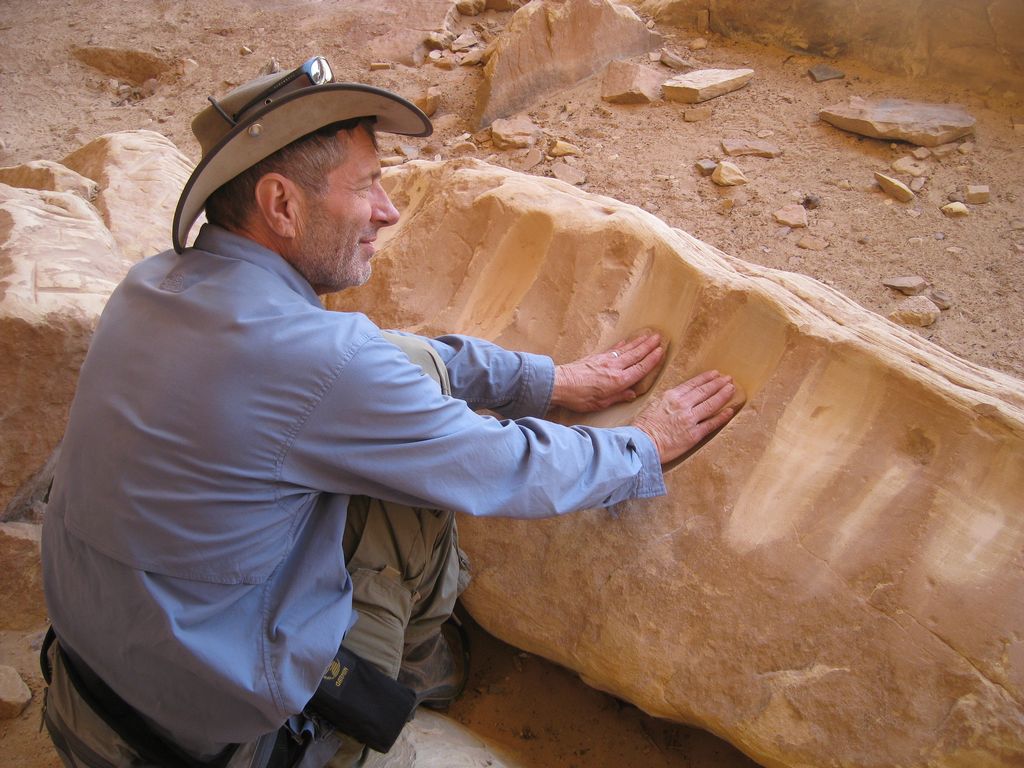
294, 115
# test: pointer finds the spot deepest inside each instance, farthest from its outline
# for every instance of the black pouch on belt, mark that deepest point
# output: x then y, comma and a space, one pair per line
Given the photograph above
362, 702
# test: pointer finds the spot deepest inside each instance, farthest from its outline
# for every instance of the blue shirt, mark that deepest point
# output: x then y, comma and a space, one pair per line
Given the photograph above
223, 418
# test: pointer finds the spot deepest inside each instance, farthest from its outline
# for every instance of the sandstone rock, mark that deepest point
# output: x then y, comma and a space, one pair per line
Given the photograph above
919, 123
812, 243
697, 44
563, 148
465, 41
910, 166
531, 159
673, 60
14, 694
908, 285
140, 175
505, 5
954, 210
377, 66
432, 740
45, 174
977, 194
834, 579
514, 132
628, 83
21, 588
916, 310
551, 44
704, 84
59, 266
894, 188
941, 299
706, 166
944, 150
728, 174
696, 114
916, 185
132, 66
757, 148
471, 7
429, 100
821, 72
794, 215
570, 174
921, 153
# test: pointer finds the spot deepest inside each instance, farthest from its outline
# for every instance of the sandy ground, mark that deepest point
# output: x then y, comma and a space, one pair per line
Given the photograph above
51, 103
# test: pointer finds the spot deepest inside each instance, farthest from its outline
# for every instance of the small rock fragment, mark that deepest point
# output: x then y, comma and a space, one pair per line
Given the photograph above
514, 133
977, 194
965, 148
567, 173
894, 188
812, 243
530, 160
697, 44
272, 67
908, 285
916, 185
921, 153
811, 201
245, 50
822, 72
563, 148
941, 299
429, 101
916, 310
727, 174
471, 7
704, 84
696, 114
910, 166
844, 184
389, 161
674, 61
757, 148
376, 66
706, 166
793, 215
14, 694
464, 42
944, 150
954, 210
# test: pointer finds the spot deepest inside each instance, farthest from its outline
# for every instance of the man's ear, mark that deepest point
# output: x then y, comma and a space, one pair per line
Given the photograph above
279, 202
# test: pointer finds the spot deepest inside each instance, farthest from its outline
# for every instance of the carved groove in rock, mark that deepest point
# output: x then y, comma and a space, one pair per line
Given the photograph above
837, 578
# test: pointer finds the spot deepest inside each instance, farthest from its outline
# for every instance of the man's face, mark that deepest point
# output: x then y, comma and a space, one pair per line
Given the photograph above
336, 242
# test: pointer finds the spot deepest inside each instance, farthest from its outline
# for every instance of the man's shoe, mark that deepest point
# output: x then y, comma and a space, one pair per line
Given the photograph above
437, 669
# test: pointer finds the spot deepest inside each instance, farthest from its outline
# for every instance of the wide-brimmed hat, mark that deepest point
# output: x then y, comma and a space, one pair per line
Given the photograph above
256, 119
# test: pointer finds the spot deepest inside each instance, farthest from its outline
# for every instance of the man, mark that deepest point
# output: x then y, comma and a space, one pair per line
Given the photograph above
245, 544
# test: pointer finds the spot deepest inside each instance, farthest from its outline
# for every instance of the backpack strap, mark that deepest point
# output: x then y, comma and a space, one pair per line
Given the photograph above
424, 355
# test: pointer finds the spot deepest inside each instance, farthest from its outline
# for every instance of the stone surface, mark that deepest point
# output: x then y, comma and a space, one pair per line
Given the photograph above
910, 166
628, 83
812, 243
916, 310
706, 166
977, 194
58, 265
916, 122
954, 210
728, 174
132, 66
755, 147
570, 174
821, 72
21, 587
515, 133
909, 285
703, 84
429, 100
14, 694
794, 215
48, 175
551, 44
833, 580
140, 176
894, 188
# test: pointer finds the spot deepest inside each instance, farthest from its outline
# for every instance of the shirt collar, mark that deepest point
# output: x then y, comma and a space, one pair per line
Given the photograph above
220, 241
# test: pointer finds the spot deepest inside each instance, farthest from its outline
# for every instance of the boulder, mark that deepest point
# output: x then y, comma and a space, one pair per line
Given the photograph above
140, 175
58, 265
552, 44
628, 83
928, 125
46, 174
835, 579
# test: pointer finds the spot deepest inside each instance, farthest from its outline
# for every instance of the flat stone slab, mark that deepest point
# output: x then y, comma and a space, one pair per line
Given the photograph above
704, 84
916, 122
755, 147
894, 188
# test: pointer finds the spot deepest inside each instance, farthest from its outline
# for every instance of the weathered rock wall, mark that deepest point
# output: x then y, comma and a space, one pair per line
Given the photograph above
837, 579
975, 43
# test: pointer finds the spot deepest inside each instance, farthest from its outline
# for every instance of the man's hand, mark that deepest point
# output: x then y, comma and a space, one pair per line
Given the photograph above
598, 381
683, 416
